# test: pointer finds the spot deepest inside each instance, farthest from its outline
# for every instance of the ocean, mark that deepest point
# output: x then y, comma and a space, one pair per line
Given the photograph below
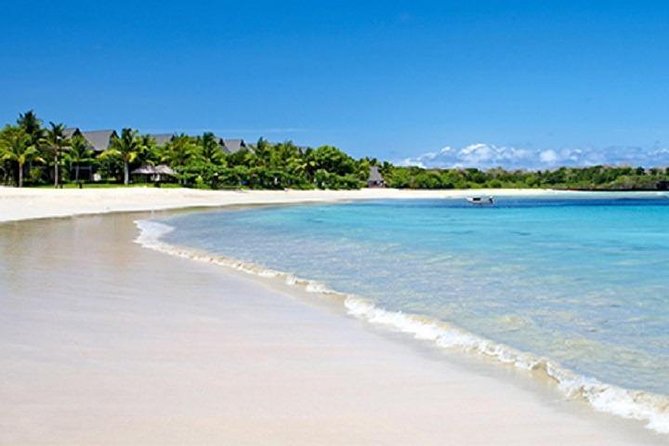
577, 288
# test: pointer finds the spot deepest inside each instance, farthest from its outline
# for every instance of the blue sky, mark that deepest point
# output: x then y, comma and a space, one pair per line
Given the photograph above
387, 79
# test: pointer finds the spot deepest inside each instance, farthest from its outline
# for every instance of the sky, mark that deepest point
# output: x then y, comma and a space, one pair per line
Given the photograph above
486, 82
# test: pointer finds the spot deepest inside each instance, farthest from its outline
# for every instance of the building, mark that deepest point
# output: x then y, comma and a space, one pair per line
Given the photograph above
228, 146
154, 174
162, 138
98, 140
231, 146
375, 178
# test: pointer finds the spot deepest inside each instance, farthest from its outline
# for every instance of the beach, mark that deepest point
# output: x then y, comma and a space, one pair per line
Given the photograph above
20, 204
103, 341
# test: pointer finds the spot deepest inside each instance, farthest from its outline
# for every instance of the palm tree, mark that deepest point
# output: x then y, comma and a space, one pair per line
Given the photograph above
181, 151
148, 150
211, 149
127, 147
32, 125
56, 142
79, 154
15, 146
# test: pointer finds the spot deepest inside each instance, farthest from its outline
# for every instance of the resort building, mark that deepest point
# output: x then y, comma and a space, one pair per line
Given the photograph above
375, 178
100, 140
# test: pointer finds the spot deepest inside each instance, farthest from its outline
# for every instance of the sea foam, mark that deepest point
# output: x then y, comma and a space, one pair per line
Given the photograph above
652, 409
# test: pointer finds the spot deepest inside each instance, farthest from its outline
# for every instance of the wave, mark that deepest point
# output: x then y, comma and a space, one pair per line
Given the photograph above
652, 409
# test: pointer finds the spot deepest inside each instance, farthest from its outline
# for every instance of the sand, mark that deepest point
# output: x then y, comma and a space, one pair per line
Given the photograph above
105, 342
20, 204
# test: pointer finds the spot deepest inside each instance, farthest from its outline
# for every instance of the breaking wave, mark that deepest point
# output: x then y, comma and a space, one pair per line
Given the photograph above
652, 409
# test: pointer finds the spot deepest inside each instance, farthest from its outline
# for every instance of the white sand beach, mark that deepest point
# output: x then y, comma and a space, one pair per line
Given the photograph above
105, 342
21, 204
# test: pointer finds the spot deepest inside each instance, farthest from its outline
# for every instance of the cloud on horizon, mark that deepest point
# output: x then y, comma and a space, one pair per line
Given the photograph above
486, 156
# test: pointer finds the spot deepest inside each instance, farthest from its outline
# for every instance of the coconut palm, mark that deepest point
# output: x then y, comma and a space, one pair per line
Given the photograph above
181, 151
127, 147
56, 142
148, 150
32, 125
15, 146
211, 148
79, 154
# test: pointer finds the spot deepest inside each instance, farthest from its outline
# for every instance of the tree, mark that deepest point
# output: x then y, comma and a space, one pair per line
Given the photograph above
15, 146
56, 142
180, 152
148, 150
211, 149
79, 154
332, 160
127, 148
32, 125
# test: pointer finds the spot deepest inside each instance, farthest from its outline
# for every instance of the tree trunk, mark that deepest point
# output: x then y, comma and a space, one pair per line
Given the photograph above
20, 175
126, 173
76, 173
55, 171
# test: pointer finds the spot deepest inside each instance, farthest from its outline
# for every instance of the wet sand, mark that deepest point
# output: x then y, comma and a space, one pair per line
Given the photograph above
105, 342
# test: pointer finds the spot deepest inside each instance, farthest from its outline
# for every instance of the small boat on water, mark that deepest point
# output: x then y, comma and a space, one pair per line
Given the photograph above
481, 200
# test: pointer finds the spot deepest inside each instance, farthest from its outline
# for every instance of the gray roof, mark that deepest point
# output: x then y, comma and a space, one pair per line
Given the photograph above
69, 133
375, 175
162, 138
233, 145
98, 140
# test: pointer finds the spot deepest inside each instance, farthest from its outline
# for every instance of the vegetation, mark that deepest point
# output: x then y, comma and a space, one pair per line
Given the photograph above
34, 155
16, 147
126, 148
581, 178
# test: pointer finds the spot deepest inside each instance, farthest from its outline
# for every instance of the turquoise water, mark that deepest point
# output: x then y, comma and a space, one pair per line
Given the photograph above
581, 282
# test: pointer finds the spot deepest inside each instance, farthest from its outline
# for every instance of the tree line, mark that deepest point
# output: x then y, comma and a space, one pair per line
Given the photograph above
610, 178
34, 154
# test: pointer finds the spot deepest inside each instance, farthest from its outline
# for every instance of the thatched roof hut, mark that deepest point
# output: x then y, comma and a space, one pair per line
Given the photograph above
375, 178
154, 173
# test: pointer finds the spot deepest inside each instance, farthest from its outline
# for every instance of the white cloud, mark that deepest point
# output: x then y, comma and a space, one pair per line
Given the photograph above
548, 156
486, 156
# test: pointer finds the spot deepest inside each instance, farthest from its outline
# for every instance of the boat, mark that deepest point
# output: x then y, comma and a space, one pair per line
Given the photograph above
481, 200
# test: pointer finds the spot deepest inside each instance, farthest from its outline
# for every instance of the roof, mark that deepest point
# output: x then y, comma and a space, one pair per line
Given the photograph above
69, 133
99, 139
233, 145
162, 138
161, 169
374, 175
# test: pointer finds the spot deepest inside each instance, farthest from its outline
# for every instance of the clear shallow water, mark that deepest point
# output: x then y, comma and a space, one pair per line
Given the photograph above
584, 283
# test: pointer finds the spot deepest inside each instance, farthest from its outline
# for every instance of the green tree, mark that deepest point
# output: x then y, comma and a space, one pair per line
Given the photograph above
210, 149
56, 143
32, 125
15, 146
125, 147
79, 154
148, 150
330, 159
182, 153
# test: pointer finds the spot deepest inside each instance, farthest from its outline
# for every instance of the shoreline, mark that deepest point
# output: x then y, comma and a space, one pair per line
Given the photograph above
503, 420
631, 404
25, 204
